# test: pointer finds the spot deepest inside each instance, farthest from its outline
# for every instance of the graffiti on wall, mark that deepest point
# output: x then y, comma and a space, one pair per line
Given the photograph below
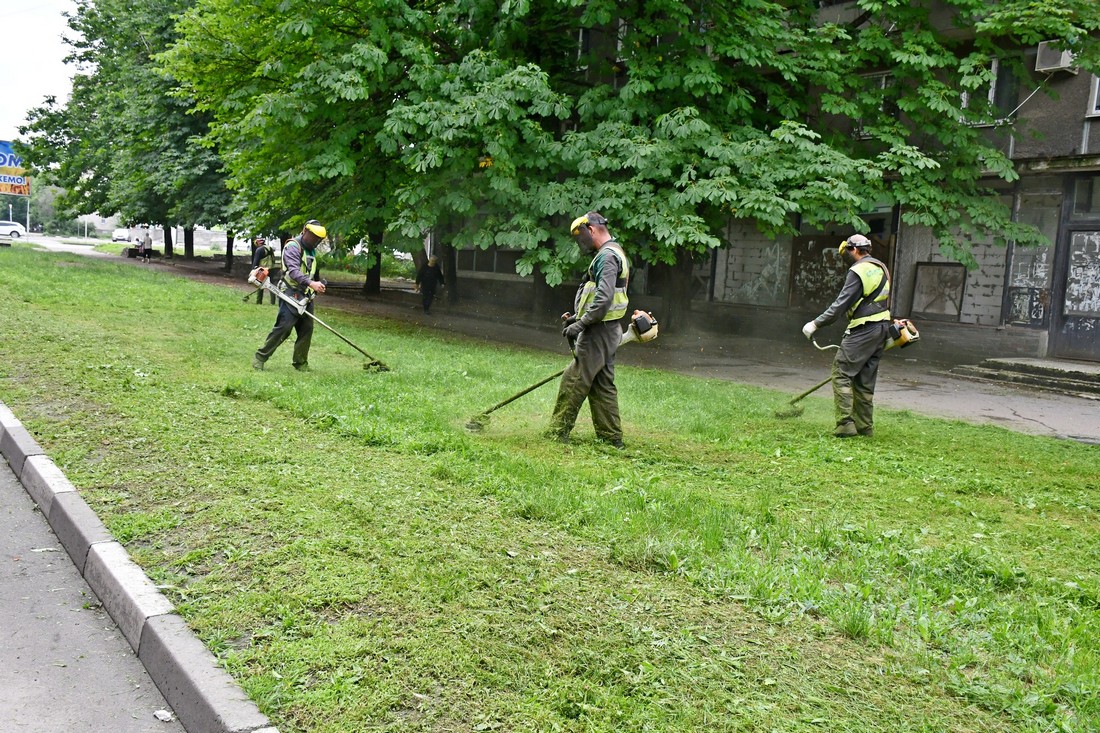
1083, 281
817, 272
1028, 306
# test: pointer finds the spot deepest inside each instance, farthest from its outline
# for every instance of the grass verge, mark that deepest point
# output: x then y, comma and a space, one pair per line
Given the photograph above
358, 561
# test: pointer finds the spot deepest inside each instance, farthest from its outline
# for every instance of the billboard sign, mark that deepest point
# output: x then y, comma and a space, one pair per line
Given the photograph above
13, 179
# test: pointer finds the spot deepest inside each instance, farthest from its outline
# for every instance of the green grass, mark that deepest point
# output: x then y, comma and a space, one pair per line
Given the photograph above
360, 562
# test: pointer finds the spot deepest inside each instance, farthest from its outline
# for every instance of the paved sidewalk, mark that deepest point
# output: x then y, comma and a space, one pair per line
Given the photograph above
64, 664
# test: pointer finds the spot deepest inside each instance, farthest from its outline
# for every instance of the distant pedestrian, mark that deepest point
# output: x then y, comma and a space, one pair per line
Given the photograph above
428, 279
264, 255
146, 246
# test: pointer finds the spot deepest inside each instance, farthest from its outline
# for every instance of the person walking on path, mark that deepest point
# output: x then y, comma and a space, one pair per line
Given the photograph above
263, 255
146, 246
594, 333
864, 299
428, 278
301, 280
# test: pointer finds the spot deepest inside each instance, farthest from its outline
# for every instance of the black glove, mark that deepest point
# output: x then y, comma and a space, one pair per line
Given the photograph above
573, 330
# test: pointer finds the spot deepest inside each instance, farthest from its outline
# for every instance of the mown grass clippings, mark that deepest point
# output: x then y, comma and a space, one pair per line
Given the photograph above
360, 561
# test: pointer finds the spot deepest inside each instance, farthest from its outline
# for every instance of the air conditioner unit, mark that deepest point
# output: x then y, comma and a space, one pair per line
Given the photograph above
1050, 58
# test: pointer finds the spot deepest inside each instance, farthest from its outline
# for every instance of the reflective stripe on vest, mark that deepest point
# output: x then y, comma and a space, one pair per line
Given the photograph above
308, 267
870, 274
619, 300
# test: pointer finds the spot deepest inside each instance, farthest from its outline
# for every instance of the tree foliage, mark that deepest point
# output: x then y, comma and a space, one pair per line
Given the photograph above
126, 142
497, 122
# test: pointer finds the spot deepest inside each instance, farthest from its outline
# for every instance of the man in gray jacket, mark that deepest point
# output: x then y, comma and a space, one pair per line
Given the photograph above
594, 332
301, 280
864, 300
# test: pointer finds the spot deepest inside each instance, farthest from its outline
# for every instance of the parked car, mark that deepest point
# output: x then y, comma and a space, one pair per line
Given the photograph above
12, 229
120, 235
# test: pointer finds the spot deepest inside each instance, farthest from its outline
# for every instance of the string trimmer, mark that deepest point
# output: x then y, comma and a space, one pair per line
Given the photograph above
902, 333
258, 277
793, 409
642, 328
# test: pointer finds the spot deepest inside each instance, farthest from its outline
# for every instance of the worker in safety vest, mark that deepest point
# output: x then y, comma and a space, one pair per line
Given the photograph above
594, 332
301, 280
264, 255
864, 300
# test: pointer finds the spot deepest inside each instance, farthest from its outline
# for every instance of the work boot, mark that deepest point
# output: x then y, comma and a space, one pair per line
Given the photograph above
558, 437
257, 364
302, 367
846, 430
617, 443
866, 432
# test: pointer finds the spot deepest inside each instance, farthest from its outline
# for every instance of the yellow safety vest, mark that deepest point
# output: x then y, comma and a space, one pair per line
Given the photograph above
871, 273
619, 300
307, 268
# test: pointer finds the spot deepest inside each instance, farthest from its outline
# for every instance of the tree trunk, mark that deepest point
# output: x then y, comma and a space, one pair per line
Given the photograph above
372, 285
448, 260
677, 292
229, 251
189, 242
167, 240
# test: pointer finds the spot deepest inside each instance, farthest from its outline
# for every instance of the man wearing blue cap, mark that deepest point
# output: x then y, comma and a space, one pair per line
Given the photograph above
301, 280
595, 333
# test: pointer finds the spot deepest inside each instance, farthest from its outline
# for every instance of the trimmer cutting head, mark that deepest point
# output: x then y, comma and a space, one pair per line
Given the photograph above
790, 411
477, 423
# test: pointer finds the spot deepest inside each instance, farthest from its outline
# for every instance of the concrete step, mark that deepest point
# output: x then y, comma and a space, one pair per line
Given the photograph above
1088, 371
1047, 377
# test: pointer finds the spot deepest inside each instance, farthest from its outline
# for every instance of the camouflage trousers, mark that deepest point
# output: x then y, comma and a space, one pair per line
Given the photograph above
591, 376
289, 320
855, 371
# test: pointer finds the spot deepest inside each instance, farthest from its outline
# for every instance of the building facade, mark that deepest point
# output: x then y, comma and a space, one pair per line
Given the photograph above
1024, 301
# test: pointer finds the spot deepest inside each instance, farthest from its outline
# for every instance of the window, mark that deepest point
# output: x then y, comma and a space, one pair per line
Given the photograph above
1000, 96
1086, 197
875, 86
1094, 98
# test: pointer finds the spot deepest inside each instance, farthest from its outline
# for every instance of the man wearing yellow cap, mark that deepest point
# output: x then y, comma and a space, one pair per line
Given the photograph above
301, 280
594, 332
864, 299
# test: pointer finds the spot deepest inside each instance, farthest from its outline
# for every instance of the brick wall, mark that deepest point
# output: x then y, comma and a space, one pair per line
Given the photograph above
982, 294
753, 269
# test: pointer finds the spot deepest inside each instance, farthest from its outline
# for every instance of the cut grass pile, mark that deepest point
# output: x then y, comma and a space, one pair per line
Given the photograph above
358, 561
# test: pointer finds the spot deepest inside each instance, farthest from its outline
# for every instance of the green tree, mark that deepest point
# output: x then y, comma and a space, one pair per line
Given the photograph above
497, 122
127, 142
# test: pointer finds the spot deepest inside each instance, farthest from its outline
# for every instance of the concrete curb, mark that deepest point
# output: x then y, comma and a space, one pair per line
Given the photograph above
202, 694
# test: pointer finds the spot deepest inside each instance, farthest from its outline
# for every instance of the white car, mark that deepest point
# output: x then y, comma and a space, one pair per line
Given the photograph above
120, 235
12, 229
